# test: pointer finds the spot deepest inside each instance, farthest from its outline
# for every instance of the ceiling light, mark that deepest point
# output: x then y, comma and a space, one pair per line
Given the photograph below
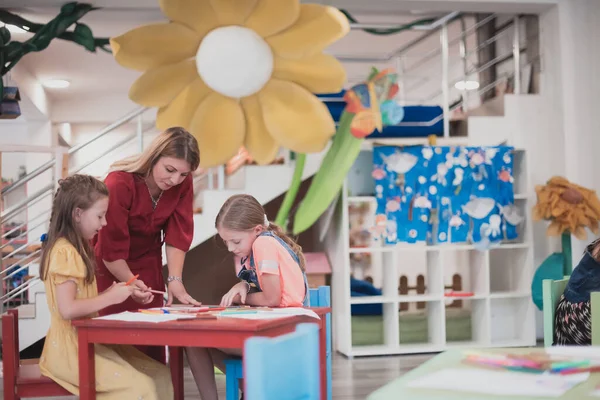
56, 84
16, 29
466, 85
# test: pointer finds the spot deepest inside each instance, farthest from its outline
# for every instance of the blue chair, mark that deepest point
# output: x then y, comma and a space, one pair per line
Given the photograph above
270, 374
320, 297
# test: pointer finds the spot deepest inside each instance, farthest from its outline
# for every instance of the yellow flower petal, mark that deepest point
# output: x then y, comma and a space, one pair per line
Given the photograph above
258, 142
180, 111
232, 12
195, 14
273, 16
294, 117
321, 73
153, 45
316, 28
158, 86
219, 127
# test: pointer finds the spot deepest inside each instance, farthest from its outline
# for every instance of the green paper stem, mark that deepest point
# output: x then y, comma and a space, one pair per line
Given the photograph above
567, 254
290, 196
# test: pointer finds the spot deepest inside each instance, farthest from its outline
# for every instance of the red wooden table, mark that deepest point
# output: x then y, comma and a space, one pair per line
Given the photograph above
222, 333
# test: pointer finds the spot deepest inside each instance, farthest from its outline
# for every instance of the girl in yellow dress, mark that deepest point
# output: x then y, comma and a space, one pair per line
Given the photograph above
67, 269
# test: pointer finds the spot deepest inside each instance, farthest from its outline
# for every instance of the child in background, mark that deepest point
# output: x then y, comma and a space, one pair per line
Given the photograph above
272, 275
67, 269
572, 320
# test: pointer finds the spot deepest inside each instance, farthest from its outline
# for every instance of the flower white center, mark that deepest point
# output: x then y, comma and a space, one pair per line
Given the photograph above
234, 61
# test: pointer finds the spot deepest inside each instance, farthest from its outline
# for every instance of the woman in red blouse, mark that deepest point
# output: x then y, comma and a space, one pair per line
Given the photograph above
151, 202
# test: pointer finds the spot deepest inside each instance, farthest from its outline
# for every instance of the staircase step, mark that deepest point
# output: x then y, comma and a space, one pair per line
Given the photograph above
26, 311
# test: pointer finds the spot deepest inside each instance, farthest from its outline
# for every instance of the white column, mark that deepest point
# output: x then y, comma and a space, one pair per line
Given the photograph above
579, 25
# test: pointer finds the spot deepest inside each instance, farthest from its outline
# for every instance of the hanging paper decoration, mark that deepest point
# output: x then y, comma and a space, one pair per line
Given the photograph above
441, 194
370, 105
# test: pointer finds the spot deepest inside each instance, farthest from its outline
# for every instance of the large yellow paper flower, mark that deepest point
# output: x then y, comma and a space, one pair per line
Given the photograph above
239, 72
570, 207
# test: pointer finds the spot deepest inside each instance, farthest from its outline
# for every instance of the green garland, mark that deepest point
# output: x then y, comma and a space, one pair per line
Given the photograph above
11, 52
388, 31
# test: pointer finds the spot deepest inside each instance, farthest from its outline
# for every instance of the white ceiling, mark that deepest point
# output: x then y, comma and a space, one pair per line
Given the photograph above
98, 79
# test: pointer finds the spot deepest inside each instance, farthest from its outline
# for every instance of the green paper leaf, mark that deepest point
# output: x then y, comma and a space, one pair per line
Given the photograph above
68, 8
4, 35
85, 37
329, 179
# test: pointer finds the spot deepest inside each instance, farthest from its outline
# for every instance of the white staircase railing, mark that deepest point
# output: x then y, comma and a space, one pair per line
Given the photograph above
443, 64
18, 257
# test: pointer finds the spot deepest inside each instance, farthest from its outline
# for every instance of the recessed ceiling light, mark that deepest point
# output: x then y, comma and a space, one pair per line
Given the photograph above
466, 85
56, 84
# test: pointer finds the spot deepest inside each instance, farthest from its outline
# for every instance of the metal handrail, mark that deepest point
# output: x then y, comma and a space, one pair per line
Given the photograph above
13, 273
49, 164
5, 235
23, 266
447, 18
112, 148
110, 128
23, 234
20, 289
14, 210
109, 150
36, 172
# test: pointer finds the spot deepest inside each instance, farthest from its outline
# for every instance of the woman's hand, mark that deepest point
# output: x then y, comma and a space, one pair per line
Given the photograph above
177, 290
140, 293
237, 294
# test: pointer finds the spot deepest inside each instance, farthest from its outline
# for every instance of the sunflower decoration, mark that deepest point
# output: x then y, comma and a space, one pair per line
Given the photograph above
239, 73
570, 208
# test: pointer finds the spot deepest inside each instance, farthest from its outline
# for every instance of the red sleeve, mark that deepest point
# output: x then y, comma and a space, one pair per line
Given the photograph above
179, 229
114, 237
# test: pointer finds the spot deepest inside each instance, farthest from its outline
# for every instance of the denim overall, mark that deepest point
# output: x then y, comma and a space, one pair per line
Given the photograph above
249, 275
584, 279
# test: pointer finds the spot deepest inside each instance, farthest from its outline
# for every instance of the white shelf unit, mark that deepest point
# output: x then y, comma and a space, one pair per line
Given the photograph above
500, 313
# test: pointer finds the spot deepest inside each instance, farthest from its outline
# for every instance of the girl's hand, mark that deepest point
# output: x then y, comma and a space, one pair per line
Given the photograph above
176, 289
119, 292
140, 293
237, 294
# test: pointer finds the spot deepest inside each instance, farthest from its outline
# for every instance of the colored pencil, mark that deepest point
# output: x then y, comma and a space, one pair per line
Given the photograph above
595, 368
129, 282
150, 290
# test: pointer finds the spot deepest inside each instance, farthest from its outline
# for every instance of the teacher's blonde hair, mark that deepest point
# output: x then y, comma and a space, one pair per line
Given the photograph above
174, 142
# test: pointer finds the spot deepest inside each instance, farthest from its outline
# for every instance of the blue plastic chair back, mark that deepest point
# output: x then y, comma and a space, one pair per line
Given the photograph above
320, 297
285, 367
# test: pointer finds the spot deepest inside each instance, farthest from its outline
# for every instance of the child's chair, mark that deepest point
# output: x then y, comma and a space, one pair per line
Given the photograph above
320, 297
293, 380
22, 380
552, 291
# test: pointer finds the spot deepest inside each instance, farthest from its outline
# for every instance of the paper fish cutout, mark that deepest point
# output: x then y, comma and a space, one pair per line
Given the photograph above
373, 104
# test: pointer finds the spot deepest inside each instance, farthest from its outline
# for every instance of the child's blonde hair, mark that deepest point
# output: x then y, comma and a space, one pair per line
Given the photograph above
174, 142
77, 191
243, 212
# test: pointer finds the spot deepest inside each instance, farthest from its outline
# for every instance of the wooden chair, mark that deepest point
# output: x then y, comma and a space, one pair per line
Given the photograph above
284, 367
552, 290
320, 297
22, 380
